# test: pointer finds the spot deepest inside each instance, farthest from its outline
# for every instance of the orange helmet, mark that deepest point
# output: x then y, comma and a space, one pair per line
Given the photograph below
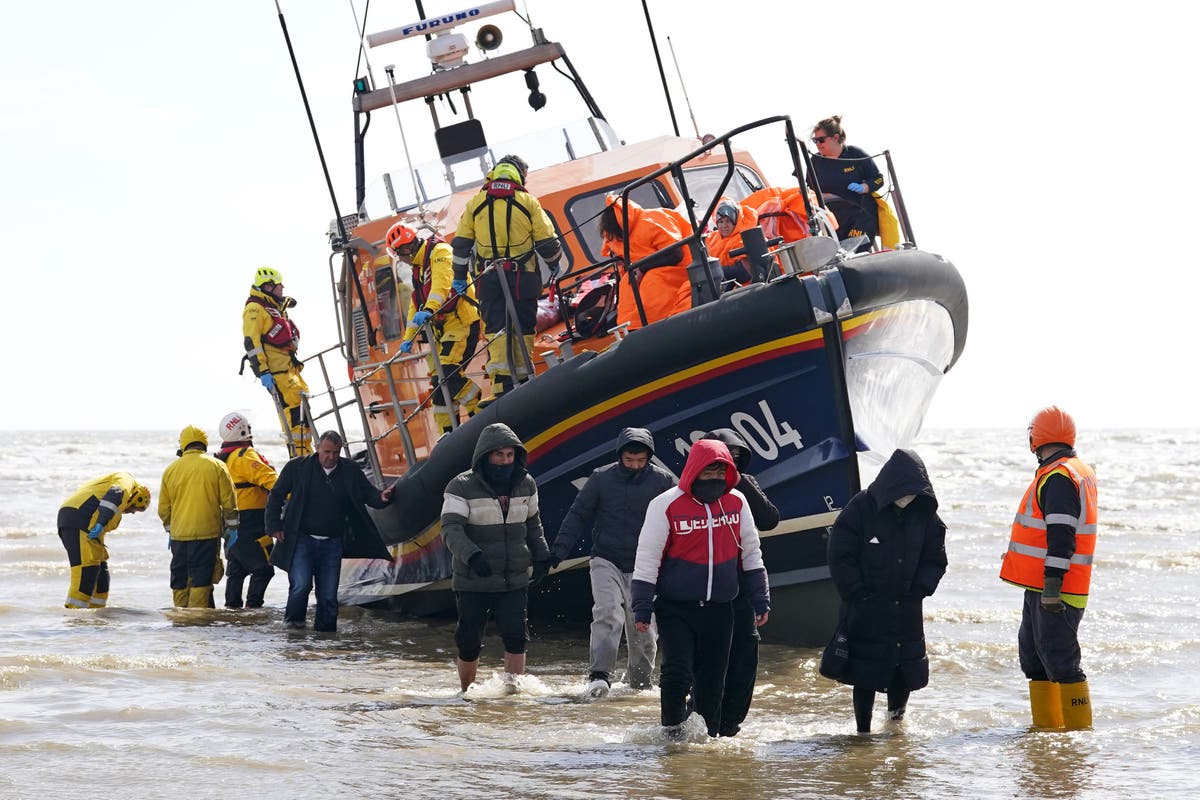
1051, 425
399, 235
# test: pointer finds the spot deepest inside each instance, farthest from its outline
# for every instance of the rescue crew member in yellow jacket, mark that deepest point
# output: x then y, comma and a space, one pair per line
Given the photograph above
271, 341
249, 551
1050, 556
453, 318
196, 503
92, 511
505, 224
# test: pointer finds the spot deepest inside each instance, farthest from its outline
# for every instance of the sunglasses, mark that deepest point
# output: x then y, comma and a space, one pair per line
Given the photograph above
820, 139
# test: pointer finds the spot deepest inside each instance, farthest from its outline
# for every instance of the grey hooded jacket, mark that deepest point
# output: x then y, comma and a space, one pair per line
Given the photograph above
612, 506
476, 520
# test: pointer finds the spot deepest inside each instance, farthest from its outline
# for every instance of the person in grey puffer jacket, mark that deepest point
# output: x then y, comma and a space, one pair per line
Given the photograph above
611, 507
493, 530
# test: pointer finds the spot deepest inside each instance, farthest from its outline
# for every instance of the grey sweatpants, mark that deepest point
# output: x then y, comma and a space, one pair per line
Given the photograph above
612, 613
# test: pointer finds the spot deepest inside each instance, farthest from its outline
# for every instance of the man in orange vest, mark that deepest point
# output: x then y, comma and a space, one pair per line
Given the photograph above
1050, 556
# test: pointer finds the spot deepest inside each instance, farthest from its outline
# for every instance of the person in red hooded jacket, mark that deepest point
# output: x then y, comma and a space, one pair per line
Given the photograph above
694, 539
663, 281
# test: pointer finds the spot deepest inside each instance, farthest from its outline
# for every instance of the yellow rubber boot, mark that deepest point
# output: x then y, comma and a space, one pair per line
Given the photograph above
1045, 703
180, 597
1076, 705
200, 597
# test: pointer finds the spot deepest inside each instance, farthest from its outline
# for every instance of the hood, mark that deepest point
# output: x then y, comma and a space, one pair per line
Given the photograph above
635, 436
635, 211
493, 437
904, 473
192, 435
703, 453
731, 438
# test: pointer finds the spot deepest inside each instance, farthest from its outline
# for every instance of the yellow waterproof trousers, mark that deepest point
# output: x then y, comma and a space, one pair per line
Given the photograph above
456, 343
291, 390
89, 569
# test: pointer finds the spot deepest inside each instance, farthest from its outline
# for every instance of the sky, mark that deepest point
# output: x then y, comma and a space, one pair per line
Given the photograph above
155, 154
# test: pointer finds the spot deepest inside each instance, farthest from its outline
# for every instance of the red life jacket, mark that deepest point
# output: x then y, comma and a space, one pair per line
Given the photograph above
424, 274
504, 190
283, 333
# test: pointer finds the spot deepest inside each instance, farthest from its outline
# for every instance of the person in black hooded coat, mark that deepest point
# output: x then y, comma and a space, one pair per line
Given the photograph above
887, 552
742, 671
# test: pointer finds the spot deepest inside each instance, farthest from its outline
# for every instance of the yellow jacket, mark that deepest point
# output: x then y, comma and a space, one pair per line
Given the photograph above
516, 237
252, 476
431, 280
196, 500
257, 324
102, 500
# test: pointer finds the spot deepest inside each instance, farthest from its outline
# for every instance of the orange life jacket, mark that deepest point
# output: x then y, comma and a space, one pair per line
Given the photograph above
1026, 559
718, 246
781, 212
283, 332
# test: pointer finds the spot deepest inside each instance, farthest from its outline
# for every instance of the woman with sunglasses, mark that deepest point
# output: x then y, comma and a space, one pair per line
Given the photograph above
847, 177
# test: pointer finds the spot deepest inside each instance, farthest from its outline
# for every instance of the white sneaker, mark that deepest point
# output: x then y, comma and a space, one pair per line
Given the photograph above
598, 688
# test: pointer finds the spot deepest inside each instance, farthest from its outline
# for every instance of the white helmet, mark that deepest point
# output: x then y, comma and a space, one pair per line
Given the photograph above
235, 428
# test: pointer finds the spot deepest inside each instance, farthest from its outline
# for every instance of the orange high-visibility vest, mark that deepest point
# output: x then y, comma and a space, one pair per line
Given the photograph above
1026, 559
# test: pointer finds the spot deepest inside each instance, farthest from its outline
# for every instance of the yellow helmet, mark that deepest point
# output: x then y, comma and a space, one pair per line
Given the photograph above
504, 171
192, 435
139, 498
267, 275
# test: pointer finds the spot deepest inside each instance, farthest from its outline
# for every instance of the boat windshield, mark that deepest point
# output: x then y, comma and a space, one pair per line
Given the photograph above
703, 183
393, 192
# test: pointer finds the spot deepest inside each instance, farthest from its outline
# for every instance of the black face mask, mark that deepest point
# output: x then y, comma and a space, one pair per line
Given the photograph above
630, 474
499, 476
709, 489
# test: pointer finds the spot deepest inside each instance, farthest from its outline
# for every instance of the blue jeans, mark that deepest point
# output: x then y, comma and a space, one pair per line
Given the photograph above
318, 560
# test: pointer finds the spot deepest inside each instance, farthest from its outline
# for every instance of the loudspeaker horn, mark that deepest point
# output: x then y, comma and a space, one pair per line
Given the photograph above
488, 38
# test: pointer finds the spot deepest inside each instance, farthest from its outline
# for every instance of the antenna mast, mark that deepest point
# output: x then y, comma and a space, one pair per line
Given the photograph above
661, 73
683, 86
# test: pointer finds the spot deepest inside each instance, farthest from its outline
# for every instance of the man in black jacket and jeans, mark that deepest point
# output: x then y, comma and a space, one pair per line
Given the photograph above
325, 522
611, 507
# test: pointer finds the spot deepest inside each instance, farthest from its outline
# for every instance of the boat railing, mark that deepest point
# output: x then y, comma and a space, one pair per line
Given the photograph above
400, 190
332, 403
675, 169
405, 411
897, 199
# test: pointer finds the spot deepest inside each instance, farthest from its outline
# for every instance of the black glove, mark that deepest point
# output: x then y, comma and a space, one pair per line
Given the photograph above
554, 561
540, 570
479, 565
1052, 596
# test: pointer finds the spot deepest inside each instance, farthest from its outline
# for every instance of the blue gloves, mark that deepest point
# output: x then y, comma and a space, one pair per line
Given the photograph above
858, 188
406, 347
230, 538
459, 286
94, 533
420, 318
268, 381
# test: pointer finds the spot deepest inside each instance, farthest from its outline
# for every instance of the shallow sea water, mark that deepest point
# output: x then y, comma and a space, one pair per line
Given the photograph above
142, 701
